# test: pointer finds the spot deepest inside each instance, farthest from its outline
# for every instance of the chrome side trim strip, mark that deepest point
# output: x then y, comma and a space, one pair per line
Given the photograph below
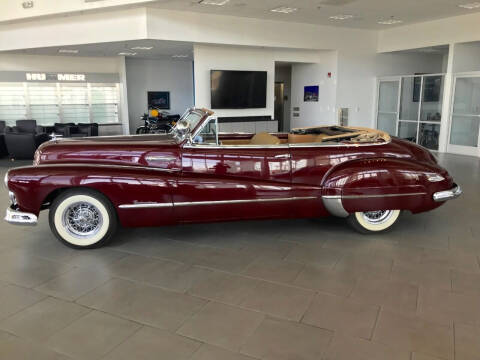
20, 218
334, 206
453, 193
222, 202
371, 196
143, 205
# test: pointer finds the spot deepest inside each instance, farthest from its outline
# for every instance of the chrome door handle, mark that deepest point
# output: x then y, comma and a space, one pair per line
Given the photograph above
282, 156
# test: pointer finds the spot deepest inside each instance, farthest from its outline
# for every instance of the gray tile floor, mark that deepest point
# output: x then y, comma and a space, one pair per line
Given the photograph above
303, 289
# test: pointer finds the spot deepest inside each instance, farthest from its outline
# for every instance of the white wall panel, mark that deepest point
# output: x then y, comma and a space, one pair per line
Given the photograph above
145, 75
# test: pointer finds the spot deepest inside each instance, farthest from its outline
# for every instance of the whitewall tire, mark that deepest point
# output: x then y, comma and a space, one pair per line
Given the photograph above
373, 221
82, 218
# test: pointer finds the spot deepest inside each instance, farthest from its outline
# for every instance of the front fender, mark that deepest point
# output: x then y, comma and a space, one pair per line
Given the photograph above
383, 184
33, 185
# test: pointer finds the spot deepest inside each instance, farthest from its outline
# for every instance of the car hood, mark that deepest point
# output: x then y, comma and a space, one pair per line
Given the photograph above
155, 150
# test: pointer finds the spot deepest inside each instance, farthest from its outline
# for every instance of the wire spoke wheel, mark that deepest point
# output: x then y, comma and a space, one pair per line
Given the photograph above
374, 220
82, 219
377, 217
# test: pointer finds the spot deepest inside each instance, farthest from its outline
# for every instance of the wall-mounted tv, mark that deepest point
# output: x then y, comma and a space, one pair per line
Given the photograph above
238, 89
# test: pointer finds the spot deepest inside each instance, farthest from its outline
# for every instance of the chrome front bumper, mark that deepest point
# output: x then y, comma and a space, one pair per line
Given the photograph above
453, 193
14, 216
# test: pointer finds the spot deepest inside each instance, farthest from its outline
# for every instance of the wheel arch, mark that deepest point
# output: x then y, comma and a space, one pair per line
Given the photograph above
55, 193
377, 183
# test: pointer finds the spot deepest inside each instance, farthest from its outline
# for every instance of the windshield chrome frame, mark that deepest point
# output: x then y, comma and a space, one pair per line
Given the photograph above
191, 137
181, 138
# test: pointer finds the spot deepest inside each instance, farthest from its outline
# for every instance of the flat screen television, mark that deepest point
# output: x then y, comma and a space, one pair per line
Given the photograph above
238, 89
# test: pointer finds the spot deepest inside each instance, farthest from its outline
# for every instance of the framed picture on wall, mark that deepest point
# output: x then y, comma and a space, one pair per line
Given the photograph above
310, 93
159, 100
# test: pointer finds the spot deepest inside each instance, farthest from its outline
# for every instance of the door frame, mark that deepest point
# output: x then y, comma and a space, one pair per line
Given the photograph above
281, 121
460, 149
377, 98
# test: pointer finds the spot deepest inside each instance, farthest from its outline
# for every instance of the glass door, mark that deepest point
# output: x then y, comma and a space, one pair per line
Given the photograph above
421, 110
387, 109
465, 117
410, 107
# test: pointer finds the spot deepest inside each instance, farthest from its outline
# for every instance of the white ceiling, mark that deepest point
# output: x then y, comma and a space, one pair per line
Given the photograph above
367, 12
160, 49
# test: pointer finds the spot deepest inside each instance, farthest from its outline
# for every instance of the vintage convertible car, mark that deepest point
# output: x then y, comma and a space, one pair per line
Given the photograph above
196, 174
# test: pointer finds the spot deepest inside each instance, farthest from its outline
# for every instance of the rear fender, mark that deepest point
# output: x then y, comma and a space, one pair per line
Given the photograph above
35, 185
381, 184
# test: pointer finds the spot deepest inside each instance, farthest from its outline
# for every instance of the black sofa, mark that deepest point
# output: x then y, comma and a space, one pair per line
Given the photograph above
72, 130
64, 129
23, 139
84, 130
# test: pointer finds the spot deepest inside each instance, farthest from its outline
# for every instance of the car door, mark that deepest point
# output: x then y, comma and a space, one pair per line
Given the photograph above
223, 182
310, 163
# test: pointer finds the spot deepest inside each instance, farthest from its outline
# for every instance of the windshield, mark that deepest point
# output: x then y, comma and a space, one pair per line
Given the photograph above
192, 118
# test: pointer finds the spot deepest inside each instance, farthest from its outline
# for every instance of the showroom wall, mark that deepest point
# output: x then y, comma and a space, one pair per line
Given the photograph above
143, 75
20, 62
430, 33
467, 57
408, 63
311, 113
212, 57
208, 57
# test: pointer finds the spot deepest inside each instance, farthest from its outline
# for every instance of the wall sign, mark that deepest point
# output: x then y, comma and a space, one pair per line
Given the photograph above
54, 77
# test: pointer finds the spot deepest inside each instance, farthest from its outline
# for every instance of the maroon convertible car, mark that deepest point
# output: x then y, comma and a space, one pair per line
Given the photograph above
196, 174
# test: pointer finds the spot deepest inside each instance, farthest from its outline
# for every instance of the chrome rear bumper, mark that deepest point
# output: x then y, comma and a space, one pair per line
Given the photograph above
453, 193
14, 216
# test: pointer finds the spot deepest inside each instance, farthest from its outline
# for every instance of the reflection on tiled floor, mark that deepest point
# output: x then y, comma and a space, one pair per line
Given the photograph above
286, 289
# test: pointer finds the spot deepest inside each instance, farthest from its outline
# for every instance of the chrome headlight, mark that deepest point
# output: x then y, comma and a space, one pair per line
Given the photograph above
5, 180
435, 178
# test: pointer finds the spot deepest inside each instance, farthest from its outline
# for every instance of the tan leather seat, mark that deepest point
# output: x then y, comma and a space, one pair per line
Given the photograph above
264, 138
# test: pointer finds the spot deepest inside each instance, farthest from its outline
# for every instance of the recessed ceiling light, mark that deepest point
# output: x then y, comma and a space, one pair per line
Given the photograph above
470, 6
142, 48
125, 53
342, 17
213, 2
284, 10
68, 51
390, 22
180, 56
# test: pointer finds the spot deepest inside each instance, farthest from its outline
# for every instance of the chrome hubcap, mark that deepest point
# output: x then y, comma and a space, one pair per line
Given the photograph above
377, 217
82, 219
